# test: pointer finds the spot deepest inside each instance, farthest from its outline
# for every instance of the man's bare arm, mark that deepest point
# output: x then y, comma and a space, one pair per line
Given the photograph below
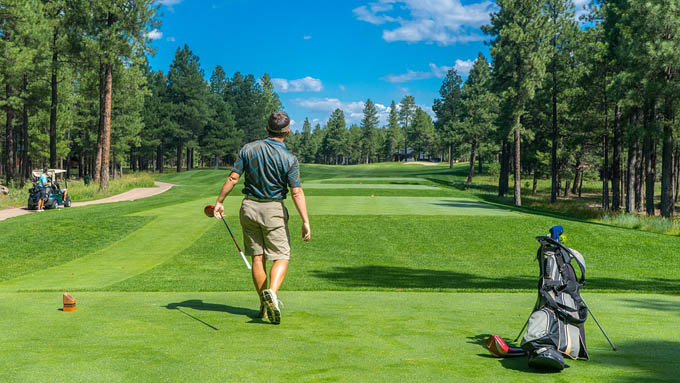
227, 187
301, 206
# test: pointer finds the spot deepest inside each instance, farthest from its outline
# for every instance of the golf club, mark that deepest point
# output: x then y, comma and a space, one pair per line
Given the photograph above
598, 325
210, 212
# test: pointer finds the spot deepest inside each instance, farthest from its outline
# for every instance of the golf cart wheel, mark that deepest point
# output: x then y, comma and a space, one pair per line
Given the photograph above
67, 203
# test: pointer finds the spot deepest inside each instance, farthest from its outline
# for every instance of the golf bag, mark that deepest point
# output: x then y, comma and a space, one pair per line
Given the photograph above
556, 326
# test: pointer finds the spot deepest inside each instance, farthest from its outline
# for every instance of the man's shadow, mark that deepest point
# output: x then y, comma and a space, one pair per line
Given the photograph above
198, 304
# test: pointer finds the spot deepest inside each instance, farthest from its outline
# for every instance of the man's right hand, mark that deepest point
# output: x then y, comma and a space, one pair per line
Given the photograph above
306, 231
218, 211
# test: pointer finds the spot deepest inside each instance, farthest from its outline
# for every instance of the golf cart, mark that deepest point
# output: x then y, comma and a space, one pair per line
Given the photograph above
54, 194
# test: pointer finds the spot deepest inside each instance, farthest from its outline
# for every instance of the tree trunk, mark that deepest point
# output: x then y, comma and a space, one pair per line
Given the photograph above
534, 187
180, 149
25, 169
577, 177
106, 131
133, 161
667, 200
616, 161
188, 159
450, 156
96, 170
605, 172
650, 176
640, 175
554, 186
471, 172
480, 168
518, 181
630, 180
10, 173
503, 178
53, 103
566, 188
159, 158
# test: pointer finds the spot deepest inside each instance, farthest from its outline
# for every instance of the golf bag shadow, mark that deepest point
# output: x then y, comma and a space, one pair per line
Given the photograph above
556, 326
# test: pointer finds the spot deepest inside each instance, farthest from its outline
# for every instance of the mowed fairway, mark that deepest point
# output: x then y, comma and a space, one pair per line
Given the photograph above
402, 280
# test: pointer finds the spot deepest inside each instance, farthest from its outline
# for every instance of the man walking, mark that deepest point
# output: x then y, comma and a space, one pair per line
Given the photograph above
269, 170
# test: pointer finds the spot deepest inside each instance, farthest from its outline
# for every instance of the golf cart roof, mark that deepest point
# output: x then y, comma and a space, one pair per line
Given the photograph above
37, 173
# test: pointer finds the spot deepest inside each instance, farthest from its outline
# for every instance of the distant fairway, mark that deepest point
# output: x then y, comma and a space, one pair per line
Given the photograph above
402, 272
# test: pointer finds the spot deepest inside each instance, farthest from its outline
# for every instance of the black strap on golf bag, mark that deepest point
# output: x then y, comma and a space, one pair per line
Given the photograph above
555, 327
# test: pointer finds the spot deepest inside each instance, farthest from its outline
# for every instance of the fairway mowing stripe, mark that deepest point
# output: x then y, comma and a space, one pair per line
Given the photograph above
174, 229
357, 205
369, 186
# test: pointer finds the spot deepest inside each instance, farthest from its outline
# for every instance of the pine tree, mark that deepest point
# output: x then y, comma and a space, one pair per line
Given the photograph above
187, 92
480, 106
394, 135
407, 110
448, 109
369, 124
520, 55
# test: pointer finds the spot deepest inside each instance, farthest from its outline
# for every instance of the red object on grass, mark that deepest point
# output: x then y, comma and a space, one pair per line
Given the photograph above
209, 210
497, 346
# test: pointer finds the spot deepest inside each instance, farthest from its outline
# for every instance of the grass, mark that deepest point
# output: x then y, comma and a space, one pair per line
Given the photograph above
410, 280
80, 192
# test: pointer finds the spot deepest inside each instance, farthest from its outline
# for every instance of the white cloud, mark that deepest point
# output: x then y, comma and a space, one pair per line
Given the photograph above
306, 84
306, 37
169, 3
441, 21
154, 34
461, 66
292, 123
342, 87
353, 110
170, 39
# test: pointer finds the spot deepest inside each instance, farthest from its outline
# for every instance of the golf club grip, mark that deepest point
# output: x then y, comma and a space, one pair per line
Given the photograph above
245, 260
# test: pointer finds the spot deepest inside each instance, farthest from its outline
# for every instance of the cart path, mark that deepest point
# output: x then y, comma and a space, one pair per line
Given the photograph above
130, 195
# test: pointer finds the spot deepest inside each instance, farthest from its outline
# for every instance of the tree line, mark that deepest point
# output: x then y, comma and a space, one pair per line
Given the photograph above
561, 97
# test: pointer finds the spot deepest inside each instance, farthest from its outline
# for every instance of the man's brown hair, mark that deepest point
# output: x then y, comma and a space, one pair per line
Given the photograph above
278, 124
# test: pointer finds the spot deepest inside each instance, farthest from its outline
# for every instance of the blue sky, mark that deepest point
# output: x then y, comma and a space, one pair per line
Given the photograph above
328, 54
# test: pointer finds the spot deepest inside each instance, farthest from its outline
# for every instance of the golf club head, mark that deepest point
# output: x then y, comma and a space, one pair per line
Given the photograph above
209, 210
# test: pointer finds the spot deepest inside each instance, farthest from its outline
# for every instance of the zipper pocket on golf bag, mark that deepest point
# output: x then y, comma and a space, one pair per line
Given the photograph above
546, 330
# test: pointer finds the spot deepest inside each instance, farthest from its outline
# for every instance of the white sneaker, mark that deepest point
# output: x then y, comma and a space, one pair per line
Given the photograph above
272, 302
39, 210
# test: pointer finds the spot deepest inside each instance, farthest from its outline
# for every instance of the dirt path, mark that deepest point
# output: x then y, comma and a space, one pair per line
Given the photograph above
131, 195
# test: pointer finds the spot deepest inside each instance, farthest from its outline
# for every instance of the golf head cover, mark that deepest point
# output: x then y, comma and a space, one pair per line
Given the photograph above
498, 348
556, 232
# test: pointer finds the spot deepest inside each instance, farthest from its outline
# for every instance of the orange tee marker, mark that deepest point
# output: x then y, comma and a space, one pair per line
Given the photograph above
69, 302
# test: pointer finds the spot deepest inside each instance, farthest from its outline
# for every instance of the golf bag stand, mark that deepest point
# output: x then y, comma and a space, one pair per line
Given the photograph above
556, 326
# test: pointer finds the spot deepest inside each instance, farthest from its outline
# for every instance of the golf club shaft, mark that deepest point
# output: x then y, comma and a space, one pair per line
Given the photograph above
236, 243
601, 329
522, 330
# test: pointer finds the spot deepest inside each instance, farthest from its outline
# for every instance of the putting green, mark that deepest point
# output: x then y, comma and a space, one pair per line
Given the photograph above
324, 336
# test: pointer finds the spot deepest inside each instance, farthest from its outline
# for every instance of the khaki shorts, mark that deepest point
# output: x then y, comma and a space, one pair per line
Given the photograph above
265, 229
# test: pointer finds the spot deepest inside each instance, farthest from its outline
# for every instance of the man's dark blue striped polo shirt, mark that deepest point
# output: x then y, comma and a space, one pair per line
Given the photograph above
269, 168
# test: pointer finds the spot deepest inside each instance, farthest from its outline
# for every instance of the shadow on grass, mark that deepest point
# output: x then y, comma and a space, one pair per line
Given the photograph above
515, 363
654, 304
375, 276
467, 204
651, 360
198, 304
403, 277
